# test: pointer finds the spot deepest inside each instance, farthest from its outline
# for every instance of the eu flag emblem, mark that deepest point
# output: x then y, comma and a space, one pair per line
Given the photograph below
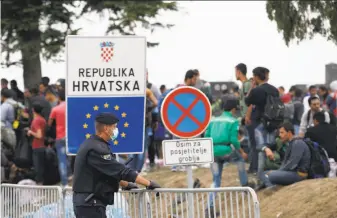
81, 113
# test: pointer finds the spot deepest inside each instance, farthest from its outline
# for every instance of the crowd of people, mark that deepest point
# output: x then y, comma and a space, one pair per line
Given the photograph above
33, 133
275, 131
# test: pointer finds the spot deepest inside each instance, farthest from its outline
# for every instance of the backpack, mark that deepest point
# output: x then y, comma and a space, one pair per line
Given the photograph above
23, 151
161, 100
274, 111
148, 112
216, 108
8, 136
18, 108
319, 161
289, 111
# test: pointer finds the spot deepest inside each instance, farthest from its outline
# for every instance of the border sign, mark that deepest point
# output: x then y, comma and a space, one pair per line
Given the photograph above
106, 74
188, 151
186, 112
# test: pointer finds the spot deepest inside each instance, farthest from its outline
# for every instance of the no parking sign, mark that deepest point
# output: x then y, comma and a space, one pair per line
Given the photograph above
186, 113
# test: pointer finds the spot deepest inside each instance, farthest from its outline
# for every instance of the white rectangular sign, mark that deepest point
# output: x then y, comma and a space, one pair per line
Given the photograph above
106, 66
188, 151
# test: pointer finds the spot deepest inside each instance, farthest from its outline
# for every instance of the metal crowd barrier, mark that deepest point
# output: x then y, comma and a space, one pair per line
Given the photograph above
24, 201
49, 201
231, 202
126, 204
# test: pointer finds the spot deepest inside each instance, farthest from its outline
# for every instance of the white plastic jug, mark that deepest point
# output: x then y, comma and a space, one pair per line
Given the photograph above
333, 168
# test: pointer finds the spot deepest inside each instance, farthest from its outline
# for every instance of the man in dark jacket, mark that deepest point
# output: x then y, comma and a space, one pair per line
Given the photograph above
4, 85
97, 174
34, 97
296, 163
324, 134
19, 94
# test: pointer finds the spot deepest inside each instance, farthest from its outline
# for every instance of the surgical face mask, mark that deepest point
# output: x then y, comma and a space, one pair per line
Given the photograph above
114, 134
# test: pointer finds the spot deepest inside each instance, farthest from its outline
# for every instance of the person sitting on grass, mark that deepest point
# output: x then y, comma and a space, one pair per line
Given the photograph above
271, 157
296, 163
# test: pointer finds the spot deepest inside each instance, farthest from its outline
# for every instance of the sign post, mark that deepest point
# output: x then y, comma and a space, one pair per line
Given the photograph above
106, 74
186, 113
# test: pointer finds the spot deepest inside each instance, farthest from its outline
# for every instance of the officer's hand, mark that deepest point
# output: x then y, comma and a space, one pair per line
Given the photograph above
130, 186
153, 185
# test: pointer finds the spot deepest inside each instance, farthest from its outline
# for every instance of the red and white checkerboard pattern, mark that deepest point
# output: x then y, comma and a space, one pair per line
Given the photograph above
107, 53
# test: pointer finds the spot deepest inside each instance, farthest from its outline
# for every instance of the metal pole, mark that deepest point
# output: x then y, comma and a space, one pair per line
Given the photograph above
190, 195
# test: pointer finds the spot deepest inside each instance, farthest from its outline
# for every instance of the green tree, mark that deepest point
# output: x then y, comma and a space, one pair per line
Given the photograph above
29, 27
298, 20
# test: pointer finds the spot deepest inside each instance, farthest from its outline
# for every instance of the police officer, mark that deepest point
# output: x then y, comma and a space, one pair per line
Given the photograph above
97, 175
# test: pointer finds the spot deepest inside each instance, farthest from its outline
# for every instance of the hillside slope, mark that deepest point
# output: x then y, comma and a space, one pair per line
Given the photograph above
308, 199
311, 198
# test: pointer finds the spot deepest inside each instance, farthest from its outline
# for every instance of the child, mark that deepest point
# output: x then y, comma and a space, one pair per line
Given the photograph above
37, 131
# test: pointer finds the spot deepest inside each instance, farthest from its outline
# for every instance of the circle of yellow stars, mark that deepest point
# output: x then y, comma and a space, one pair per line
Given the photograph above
106, 105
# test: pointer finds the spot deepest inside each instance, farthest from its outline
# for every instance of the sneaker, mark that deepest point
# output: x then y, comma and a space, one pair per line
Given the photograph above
194, 167
253, 172
210, 213
205, 166
174, 169
196, 183
152, 167
259, 187
143, 173
181, 169
159, 162
250, 184
270, 190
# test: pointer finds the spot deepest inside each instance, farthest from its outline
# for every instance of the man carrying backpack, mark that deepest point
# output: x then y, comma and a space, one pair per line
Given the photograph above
296, 164
324, 134
307, 117
269, 111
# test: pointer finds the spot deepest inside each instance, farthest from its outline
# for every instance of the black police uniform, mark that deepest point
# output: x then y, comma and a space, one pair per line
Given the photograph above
97, 175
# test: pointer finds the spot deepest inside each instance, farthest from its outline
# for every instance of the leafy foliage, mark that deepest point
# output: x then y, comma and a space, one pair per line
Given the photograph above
303, 19
22, 28
31, 25
125, 15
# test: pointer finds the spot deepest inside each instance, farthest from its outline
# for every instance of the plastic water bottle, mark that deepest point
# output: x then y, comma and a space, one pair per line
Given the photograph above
333, 168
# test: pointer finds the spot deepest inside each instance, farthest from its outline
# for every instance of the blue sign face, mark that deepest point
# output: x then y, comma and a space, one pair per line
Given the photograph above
186, 112
81, 113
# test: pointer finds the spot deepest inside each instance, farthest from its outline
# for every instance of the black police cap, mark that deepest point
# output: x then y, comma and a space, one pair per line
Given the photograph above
106, 118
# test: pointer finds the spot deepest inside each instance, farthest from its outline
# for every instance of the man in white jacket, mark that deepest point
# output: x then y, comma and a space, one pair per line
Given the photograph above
312, 92
307, 117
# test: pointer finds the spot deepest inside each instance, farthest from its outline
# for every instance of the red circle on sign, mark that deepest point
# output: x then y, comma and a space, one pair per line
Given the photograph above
200, 96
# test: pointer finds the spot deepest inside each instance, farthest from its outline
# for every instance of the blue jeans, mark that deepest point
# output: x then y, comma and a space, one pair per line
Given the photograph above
64, 166
262, 138
281, 177
217, 168
253, 154
261, 163
138, 159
